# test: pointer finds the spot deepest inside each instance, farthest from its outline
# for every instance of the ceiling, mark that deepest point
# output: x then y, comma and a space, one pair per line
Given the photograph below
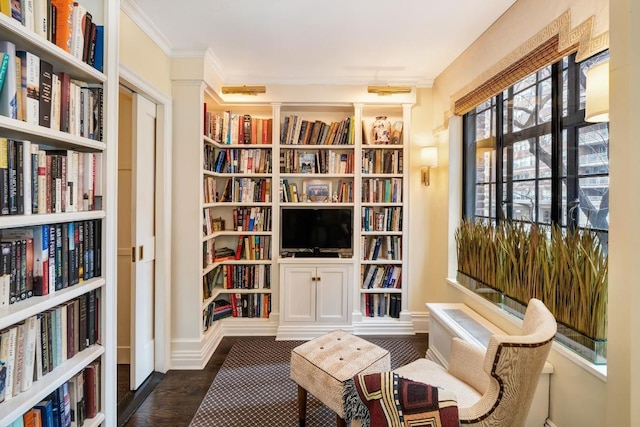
322, 41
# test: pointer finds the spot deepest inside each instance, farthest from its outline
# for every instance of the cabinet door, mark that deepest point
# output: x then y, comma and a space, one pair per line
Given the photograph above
299, 291
333, 294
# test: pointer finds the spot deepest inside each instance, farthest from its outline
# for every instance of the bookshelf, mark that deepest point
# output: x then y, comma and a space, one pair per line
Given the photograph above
78, 292
384, 207
231, 206
309, 295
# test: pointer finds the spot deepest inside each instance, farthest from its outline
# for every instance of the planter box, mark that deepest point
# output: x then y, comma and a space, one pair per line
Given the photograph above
595, 351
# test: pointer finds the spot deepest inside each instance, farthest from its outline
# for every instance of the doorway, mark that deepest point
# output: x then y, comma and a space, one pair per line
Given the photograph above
143, 241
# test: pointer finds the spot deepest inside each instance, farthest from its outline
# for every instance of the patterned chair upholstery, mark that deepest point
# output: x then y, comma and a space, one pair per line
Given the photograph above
496, 387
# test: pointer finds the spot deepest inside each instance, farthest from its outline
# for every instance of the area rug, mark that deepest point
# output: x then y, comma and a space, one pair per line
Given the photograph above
253, 388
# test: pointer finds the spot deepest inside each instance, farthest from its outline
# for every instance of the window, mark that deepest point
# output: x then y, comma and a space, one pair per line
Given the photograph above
530, 156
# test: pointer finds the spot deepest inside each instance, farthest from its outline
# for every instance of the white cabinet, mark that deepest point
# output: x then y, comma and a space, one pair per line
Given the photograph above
315, 295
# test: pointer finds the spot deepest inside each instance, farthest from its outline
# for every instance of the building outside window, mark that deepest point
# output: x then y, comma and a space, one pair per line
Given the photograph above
530, 156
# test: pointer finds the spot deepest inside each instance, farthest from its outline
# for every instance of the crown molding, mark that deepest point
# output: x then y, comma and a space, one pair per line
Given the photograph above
133, 11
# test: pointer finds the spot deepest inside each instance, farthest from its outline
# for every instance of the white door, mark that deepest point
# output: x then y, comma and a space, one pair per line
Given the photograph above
143, 239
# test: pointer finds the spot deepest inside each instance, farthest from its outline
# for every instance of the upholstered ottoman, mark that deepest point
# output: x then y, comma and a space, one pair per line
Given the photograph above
322, 365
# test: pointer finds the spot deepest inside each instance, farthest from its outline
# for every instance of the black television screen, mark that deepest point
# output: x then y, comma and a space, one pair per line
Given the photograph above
316, 229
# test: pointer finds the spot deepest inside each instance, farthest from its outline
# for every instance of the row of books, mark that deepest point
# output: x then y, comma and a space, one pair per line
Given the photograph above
235, 160
253, 248
35, 347
230, 128
234, 276
381, 247
246, 190
321, 161
32, 92
66, 23
250, 305
70, 405
297, 131
381, 305
34, 180
46, 258
208, 252
382, 161
378, 190
385, 219
216, 310
381, 276
252, 219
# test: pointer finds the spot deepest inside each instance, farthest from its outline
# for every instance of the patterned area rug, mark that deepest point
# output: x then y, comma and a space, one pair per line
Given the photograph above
253, 388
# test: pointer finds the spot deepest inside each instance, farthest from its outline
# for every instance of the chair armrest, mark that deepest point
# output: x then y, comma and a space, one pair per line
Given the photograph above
467, 364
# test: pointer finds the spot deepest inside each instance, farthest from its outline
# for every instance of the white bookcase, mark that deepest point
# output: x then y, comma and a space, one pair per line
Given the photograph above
106, 13
309, 296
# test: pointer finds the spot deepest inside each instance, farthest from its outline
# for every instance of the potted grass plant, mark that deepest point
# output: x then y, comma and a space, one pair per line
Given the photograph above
511, 262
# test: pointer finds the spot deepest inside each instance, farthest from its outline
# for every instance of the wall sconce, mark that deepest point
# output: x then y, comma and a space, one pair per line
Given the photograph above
428, 160
597, 93
243, 90
388, 90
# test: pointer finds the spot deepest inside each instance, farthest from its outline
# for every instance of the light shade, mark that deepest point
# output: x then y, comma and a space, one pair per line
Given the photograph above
429, 157
597, 93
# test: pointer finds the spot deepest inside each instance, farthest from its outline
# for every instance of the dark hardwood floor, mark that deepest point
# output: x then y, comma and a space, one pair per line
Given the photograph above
177, 396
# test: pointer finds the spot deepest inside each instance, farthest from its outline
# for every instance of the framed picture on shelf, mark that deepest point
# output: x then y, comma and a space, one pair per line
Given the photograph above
317, 190
307, 163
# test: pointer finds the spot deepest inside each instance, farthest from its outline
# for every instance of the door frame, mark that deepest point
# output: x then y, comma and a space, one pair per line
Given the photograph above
162, 294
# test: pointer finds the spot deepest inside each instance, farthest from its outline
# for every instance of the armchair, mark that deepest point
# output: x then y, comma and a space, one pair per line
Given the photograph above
496, 387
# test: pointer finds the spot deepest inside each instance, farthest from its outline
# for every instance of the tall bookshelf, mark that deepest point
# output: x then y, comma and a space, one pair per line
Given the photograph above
383, 205
218, 205
95, 218
237, 212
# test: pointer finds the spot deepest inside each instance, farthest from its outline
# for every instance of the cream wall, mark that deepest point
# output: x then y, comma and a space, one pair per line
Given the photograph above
578, 397
623, 383
143, 56
428, 212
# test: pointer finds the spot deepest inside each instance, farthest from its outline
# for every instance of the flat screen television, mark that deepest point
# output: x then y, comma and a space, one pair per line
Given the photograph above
316, 231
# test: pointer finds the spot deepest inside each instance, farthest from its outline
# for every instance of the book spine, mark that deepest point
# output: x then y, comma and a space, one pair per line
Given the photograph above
9, 94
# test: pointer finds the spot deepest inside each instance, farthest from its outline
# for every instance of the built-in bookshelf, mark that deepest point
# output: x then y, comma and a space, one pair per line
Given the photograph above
57, 185
237, 213
383, 209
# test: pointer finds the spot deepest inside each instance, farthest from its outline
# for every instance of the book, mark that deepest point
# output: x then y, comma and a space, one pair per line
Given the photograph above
99, 49
5, 7
30, 86
27, 14
91, 389
78, 18
46, 87
8, 341
29, 353
8, 94
46, 411
41, 18
63, 23
4, 176
16, 10
4, 64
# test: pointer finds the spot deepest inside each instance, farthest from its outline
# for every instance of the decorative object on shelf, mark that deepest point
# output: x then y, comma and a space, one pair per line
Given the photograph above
381, 130
307, 162
317, 190
597, 93
243, 90
513, 262
428, 160
396, 132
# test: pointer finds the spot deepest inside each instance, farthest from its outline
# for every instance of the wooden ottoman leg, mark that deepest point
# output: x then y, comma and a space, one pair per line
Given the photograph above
341, 421
302, 406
